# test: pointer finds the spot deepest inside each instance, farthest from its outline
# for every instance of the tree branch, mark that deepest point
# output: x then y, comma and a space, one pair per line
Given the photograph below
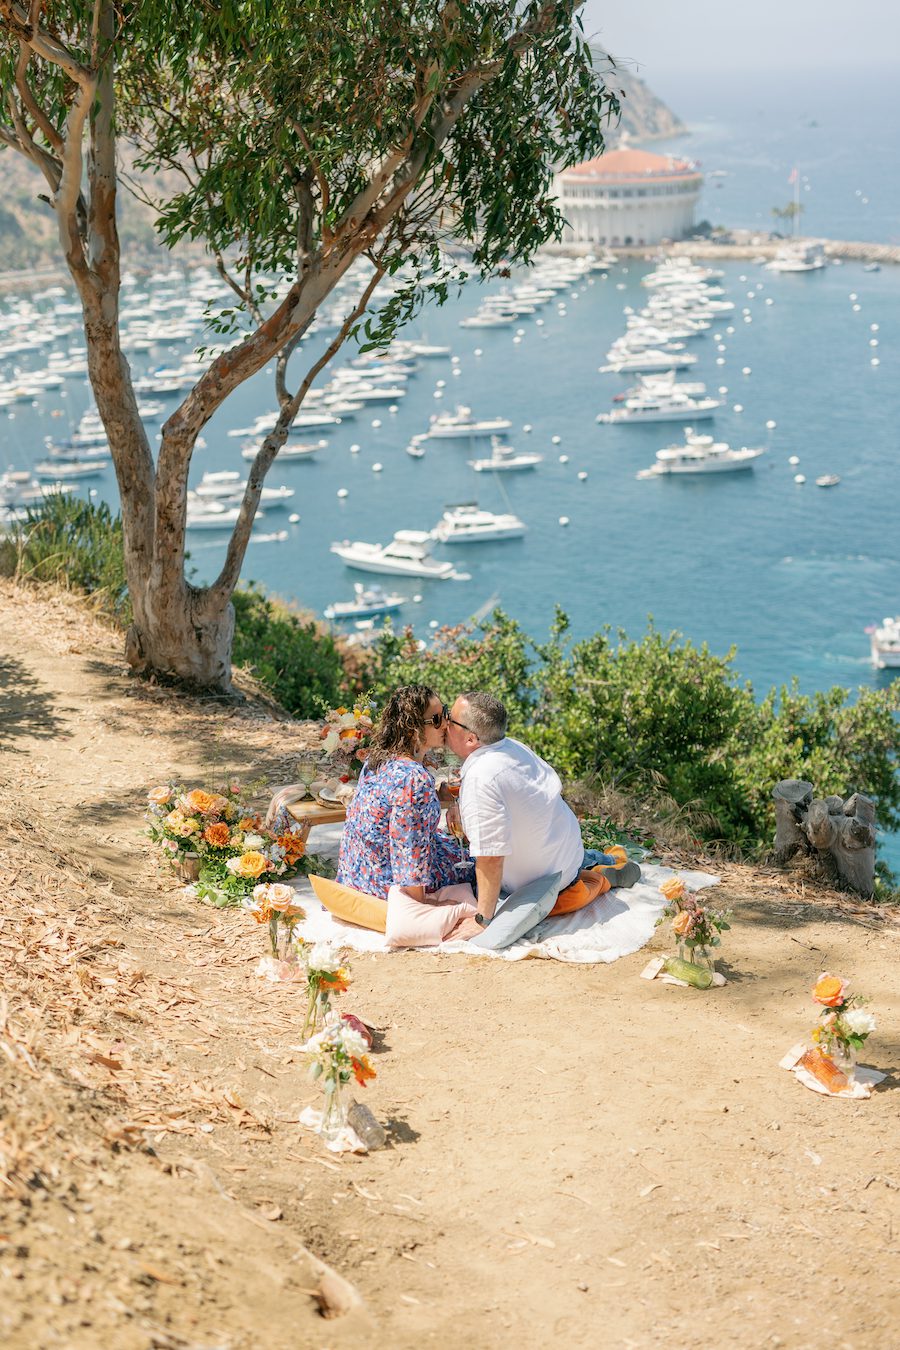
45, 45
237, 545
29, 102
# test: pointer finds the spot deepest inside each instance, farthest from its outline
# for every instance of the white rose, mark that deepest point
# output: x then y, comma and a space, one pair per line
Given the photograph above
324, 957
859, 1022
347, 720
354, 1044
331, 742
233, 864
253, 841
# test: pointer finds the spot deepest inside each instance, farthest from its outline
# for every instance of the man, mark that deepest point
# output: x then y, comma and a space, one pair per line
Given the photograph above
511, 807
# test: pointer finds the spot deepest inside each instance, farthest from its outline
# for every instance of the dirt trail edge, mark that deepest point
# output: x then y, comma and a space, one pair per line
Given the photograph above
575, 1153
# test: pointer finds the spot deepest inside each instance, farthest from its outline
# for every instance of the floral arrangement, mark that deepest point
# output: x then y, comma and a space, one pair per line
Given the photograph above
233, 849
845, 1023
337, 1053
275, 904
326, 974
696, 925
346, 736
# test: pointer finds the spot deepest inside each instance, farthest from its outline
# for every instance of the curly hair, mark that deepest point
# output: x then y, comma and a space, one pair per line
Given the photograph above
401, 724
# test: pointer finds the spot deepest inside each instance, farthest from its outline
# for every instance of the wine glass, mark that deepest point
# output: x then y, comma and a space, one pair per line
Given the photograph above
308, 769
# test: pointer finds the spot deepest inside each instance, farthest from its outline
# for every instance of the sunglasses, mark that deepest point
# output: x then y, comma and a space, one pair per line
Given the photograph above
445, 717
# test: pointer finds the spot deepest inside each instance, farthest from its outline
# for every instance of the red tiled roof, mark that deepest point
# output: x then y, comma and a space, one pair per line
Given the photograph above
631, 165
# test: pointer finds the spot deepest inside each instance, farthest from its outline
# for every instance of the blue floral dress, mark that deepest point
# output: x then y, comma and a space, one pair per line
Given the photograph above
391, 837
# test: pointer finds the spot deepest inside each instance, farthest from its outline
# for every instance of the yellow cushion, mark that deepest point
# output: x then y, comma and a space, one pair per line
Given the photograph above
367, 911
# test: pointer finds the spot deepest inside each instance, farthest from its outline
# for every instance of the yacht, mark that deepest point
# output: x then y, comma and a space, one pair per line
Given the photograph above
408, 554
297, 450
798, 257
885, 643
415, 448
18, 488
67, 470
647, 360
665, 406
467, 523
367, 602
203, 514
226, 485
461, 426
489, 318
504, 459
700, 454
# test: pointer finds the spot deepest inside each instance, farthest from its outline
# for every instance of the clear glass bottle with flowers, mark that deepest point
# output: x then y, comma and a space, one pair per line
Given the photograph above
697, 926
845, 1024
327, 974
337, 1053
275, 904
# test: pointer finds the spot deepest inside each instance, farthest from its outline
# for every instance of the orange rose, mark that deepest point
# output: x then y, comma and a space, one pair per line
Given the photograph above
218, 805
199, 801
251, 864
335, 982
294, 848
159, 796
674, 889
217, 835
362, 1070
829, 991
248, 822
681, 924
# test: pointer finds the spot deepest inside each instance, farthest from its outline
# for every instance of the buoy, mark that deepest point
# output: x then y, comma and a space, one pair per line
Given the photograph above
477, 351
457, 372
799, 478
745, 370
376, 468
769, 300
874, 361
417, 599
564, 459
556, 440
721, 347
720, 360
770, 425
564, 520
747, 318
517, 339
739, 407
857, 308
354, 449
454, 360
519, 332
794, 459
376, 422
92, 492
343, 492
539, 322
527, 427
438, 393
873, 342
853, 295
729, 330
873, 327
393, 408
294, 519
441, 384
582, 476
723, 388
742, 278
432, 623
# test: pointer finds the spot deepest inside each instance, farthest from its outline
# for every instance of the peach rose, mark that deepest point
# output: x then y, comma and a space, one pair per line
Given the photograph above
681, 924
180, 824
218, 805
199, 801
251, 864
674, 889
159, 796
829, 991
217, 835
275, 894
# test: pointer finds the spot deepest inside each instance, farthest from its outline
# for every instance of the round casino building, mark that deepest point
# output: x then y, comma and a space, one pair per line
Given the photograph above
629, 197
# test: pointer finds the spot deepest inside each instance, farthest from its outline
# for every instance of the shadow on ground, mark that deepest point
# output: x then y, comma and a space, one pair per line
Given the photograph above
27, 709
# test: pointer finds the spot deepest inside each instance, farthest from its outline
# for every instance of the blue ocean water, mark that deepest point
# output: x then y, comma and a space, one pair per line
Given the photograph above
790, 575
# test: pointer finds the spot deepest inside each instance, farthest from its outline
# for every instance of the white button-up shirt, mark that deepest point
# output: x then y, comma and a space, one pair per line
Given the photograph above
511, 806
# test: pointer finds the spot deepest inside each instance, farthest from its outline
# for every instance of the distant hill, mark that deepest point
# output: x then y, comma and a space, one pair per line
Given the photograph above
28, 235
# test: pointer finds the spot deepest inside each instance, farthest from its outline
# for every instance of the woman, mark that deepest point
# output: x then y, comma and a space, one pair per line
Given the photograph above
391, 837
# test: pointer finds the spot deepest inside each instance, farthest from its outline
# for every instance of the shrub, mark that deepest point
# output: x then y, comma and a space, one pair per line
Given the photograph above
296, 661
76, 544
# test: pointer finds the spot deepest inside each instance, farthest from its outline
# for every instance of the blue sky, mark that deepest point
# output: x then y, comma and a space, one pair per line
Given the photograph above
663, 39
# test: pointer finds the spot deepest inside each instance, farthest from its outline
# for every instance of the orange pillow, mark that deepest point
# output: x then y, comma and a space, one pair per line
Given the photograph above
366, 911
588, 887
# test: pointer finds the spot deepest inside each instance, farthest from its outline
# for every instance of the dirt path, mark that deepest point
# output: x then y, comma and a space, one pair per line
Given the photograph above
577, 1156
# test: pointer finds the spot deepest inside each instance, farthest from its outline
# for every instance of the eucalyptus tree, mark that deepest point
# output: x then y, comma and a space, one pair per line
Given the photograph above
297, 139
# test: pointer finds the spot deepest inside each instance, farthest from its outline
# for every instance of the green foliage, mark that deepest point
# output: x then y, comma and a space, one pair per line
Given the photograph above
75, 544
664, 718
296, 661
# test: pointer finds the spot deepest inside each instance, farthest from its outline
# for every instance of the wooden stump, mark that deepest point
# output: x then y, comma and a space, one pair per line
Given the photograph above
841, 833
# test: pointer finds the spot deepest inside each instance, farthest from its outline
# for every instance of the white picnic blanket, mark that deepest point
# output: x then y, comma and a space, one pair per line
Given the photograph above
616, 924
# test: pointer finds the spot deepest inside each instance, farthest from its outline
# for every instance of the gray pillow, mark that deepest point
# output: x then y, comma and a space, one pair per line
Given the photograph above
519, 913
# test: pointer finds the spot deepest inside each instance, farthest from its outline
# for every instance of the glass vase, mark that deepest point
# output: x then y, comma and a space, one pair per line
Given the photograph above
316, 1009
334, 1111
843, 1057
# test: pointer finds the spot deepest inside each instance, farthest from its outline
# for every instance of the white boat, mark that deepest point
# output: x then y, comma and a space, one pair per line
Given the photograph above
228, 486
69, 469
408, 554
211, 515
428, 350
701, 454
505, 459
415, 448
297, 450
488, 319
467, 523
461, 426
827, 480
661, 407
647, 360
798, 257
19, 489
885, 644
367, 602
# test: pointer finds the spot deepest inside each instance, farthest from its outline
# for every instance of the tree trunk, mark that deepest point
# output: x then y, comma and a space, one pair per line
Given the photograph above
177, 631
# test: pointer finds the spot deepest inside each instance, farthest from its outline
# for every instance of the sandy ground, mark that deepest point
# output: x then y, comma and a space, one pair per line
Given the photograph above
576, 1155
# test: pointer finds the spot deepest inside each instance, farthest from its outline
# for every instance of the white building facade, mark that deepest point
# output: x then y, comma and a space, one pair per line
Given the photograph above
629, 197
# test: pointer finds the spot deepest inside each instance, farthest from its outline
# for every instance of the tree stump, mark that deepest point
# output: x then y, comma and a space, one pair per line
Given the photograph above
840, 832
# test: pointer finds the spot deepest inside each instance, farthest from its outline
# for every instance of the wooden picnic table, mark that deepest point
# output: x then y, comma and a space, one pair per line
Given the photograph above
309, 813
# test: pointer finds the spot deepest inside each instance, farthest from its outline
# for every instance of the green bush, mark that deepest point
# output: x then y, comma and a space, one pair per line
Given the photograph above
296, 661
661, 716
76, 544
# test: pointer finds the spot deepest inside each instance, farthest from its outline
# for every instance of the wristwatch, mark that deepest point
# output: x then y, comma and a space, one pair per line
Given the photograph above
481, 920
